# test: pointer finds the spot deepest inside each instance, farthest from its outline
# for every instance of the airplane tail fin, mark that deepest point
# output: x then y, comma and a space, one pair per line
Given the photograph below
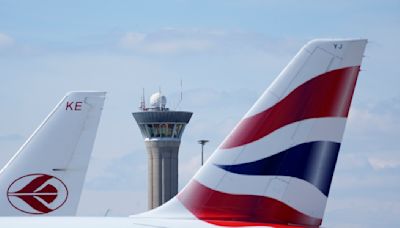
46, 175
276, 166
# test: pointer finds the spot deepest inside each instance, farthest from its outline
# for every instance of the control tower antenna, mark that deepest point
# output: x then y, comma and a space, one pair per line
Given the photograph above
143, 102
181, 92
181, 97
160, 103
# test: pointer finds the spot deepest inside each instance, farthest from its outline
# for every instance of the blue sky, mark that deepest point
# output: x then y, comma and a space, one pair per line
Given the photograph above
226, 53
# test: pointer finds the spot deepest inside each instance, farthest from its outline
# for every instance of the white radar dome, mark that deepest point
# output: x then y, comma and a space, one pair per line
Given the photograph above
158, 100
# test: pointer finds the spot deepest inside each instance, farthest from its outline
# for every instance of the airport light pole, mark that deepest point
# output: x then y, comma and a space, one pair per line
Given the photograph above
202, 142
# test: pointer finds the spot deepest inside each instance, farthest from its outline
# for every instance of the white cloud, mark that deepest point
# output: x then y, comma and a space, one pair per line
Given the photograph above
383, 163
173, 46
166, 41
6, 41
132, 39
188, 169
372, 136
173, 41
373, 159
364, 120
345, 211
351, 161
11, 137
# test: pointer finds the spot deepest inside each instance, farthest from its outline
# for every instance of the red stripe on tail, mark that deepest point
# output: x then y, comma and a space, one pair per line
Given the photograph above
328, 95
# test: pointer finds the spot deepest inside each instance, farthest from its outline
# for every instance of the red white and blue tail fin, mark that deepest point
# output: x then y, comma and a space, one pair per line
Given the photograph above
276, 166
45, 177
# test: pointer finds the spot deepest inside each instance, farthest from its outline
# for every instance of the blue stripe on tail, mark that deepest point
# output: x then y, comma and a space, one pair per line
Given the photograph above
313, 162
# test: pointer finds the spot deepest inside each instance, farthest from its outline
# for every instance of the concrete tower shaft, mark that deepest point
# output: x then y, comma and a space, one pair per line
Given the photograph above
162, 131
163, 171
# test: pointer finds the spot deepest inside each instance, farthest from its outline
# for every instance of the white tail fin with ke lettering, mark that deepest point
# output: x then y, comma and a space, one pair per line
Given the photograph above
45, 177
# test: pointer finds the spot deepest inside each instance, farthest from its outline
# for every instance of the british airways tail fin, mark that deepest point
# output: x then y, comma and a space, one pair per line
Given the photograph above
276, 166
46, 175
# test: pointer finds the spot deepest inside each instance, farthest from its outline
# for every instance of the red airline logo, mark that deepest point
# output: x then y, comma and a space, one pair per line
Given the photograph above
37, 194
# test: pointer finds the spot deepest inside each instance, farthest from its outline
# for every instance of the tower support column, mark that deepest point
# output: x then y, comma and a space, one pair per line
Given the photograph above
162, 170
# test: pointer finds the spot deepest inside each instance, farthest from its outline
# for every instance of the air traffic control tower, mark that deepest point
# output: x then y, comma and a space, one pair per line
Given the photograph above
162, 131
